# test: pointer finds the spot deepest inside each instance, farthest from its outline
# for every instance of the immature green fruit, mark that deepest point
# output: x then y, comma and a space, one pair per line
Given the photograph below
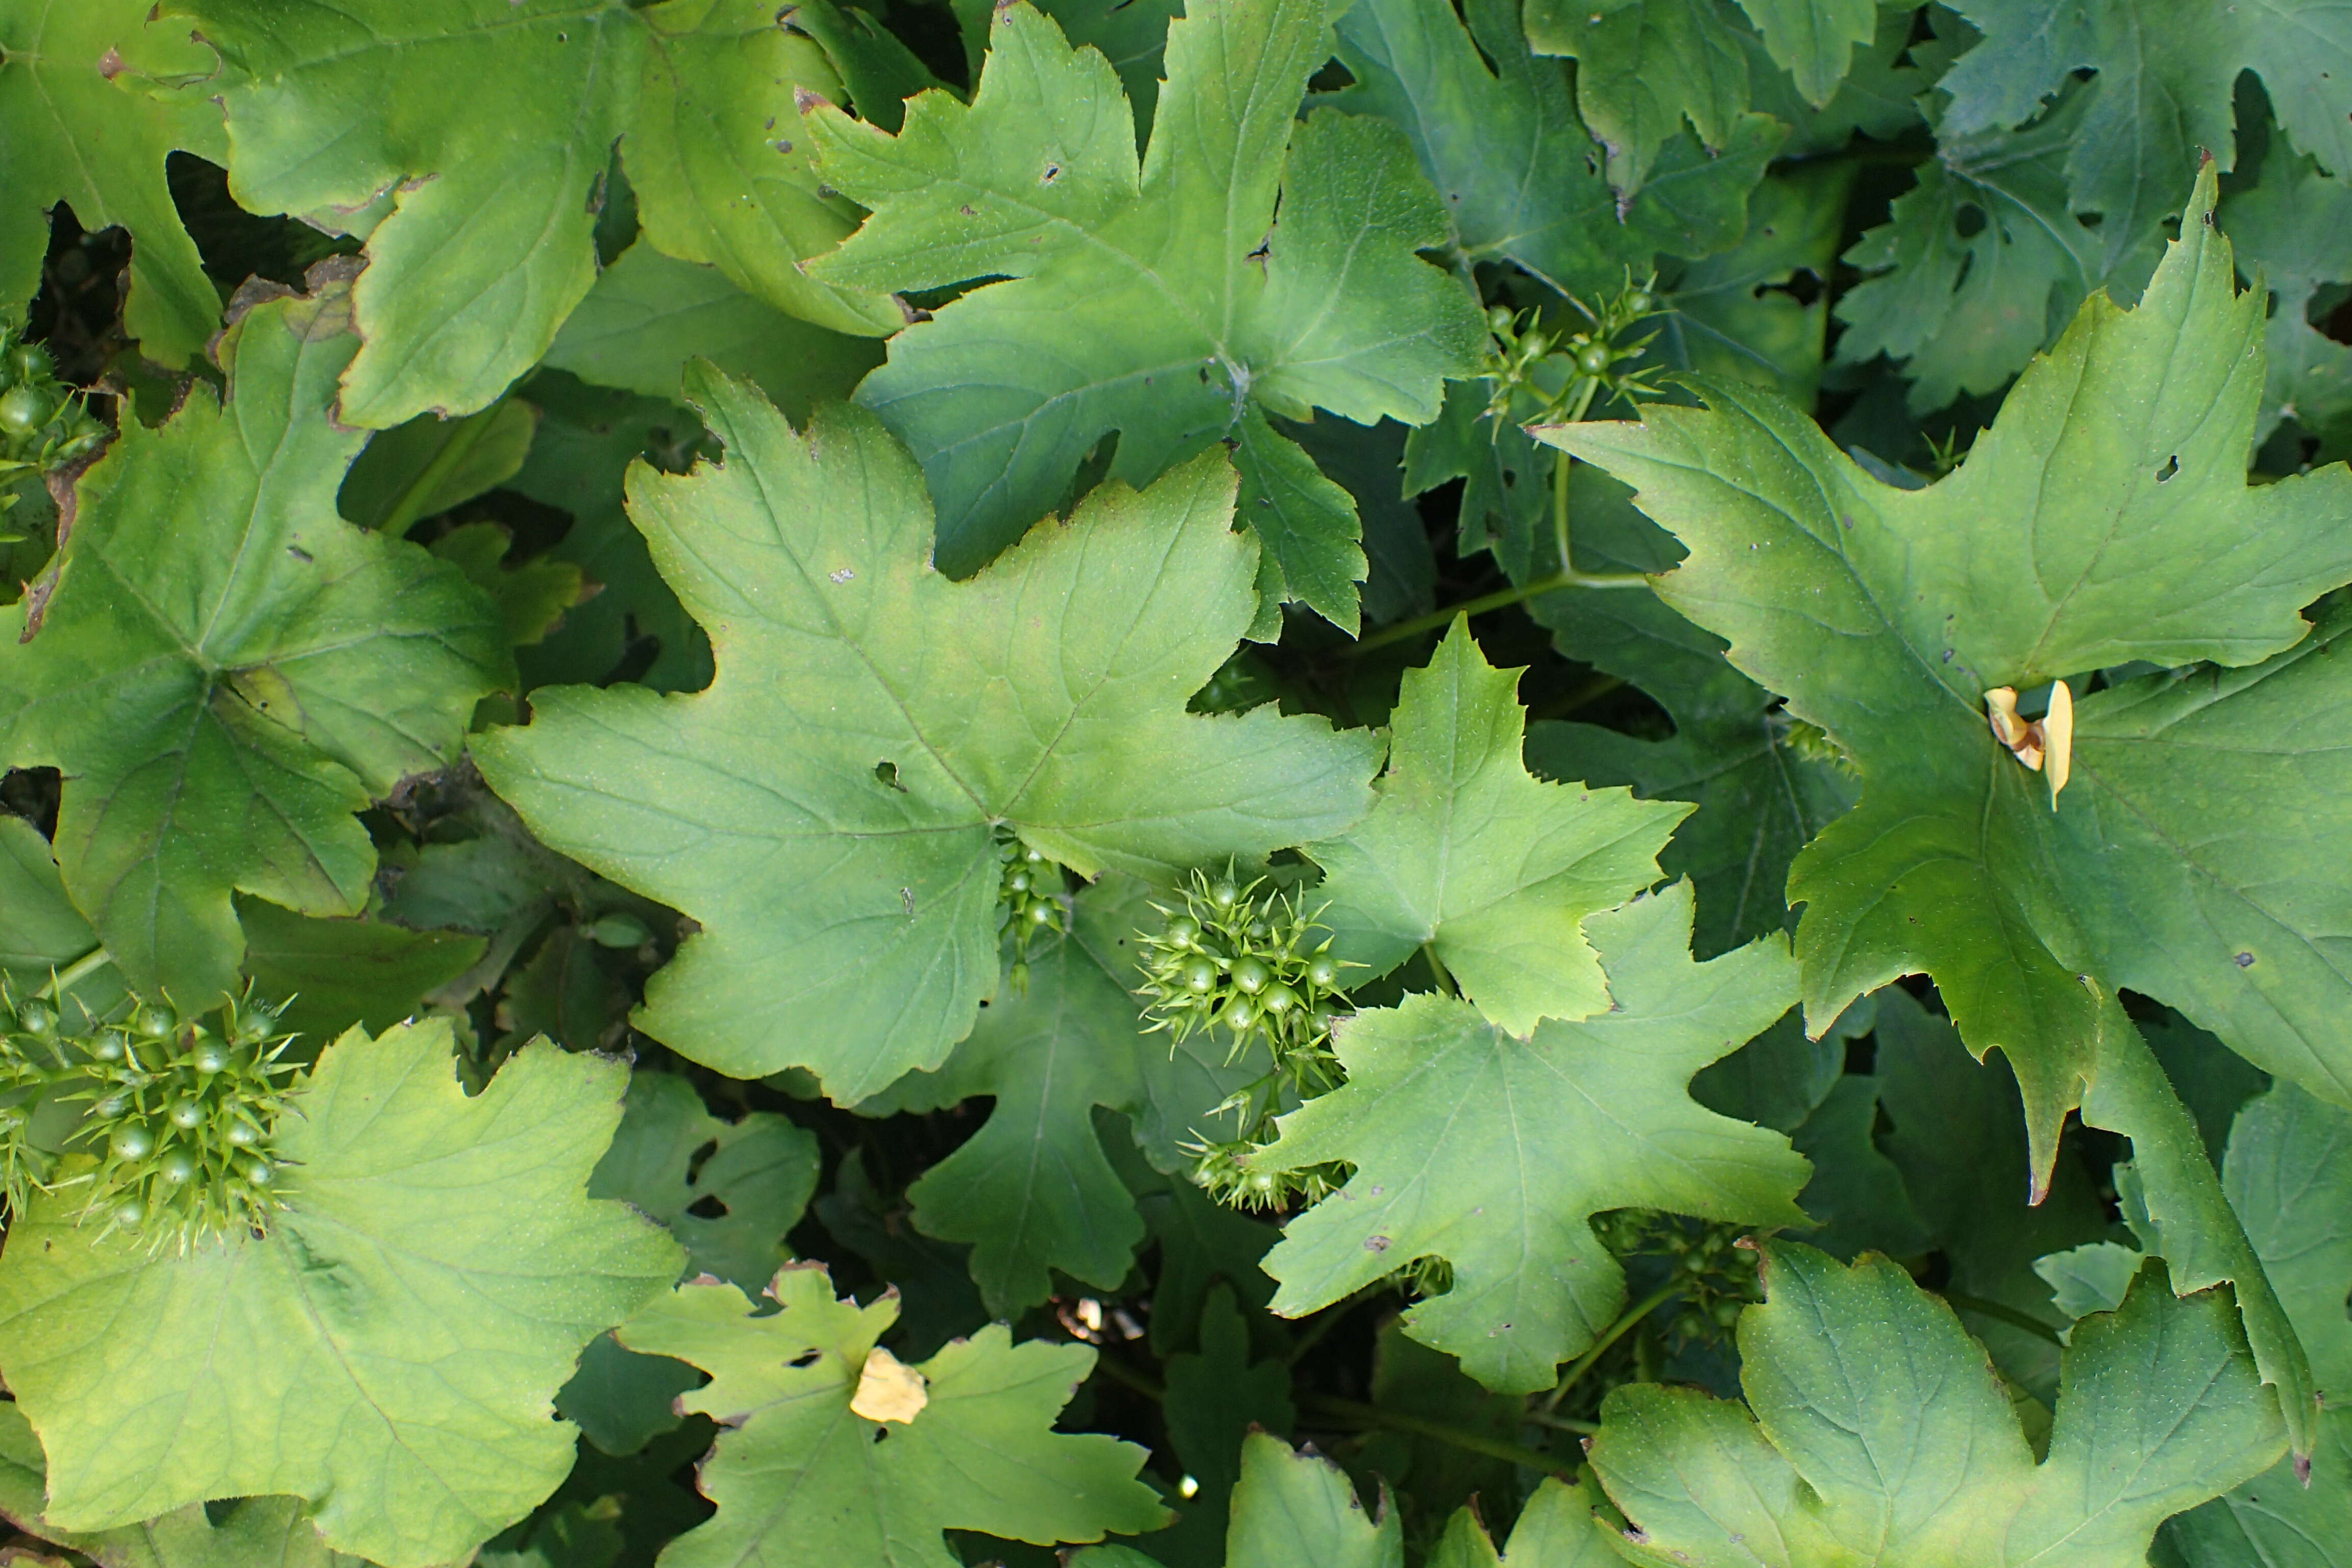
24, 409
1593, 359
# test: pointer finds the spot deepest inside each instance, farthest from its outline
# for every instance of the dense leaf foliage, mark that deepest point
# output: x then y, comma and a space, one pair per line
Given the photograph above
1175, 784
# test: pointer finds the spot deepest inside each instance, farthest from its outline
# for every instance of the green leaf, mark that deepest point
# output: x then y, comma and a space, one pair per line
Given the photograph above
531, 595
427, 466
1132, 35
2104, 518
588, 437
1034, 1190
1814, 40
1290, 1508
650, 314
86, 118
1763, 786
2289, 1175
2295, 228
339, 972
227, 671
1979, 262
478, 240
252, 1531
1856, 1194
880, 72
671, 1159
979, 1455
1466, 854
2092, 1278
1879, 97
2163, 94
863, 944
1878, 1435
1522, 181
1166, 302
1217, 1397
1555, 1530
387, 1351
1645, 67
41, 933
1735, 315
1599, 1119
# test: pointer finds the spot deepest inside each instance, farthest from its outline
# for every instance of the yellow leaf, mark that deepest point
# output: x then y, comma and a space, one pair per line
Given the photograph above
889, 1389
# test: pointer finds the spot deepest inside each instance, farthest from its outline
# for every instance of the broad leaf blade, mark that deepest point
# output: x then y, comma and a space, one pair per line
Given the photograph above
1600, 1119
849, 908
420, 1300
800, 1473
1164, 300
1468, 854
226, 670
1880, 1435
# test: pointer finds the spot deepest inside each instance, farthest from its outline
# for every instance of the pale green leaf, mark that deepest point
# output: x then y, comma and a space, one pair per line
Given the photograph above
1496, 132
1034, 1190
798, 1475
1879, 1434
1599, 1119
479, 238
388, 1351
227, 671
1164, 301
650, 314
825, 810
88, 115
1468, 855
2092, 1278
255, 1532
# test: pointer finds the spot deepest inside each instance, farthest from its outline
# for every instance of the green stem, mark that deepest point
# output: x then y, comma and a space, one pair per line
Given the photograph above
2001, 1314
1496, 600
64, 979
1436, 1431
1598, 686
1437, 968
1561, 1422
1617, 1330
409, 505
1128, 1377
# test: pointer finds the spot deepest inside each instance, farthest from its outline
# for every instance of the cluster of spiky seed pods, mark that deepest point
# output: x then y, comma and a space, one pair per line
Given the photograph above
1031, 899
176, 1115
1245, 960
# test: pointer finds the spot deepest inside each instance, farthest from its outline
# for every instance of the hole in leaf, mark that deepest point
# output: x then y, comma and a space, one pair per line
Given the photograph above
807, 1358
2171, 467
887, 771
696, 1161
706, 1207
1969, 221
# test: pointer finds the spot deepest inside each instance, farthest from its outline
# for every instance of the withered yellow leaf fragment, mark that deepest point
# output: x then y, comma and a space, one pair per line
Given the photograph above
2046, 744
889, 1389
